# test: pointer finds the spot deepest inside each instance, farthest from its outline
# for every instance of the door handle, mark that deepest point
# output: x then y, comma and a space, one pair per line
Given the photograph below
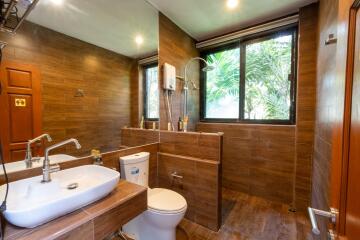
332, 215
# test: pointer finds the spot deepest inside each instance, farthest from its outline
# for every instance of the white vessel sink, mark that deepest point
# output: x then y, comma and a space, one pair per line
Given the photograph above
21, 165
31, 203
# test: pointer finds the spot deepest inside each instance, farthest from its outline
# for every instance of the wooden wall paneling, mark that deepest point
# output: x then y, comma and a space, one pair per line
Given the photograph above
257, 159
332, 63
208, 194
305, 108
136, 95
192, 144
197, 157
66, 65
131, 137
177, 48
168, 164
200, 186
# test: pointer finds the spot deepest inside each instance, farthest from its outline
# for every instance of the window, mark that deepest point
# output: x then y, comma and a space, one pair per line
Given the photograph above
151, 92
253, 80
222, 85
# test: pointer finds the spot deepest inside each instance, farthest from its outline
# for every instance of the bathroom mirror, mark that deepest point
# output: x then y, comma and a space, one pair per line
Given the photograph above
79, 69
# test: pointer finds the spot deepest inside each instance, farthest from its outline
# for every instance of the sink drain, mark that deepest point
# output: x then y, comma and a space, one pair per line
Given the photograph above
72, 186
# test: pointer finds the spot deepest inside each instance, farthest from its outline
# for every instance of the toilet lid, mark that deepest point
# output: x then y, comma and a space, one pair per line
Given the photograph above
164, 200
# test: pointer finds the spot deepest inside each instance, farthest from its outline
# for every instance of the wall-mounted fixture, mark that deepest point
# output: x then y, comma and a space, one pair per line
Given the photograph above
169, 76
186, 80
13, 13
79, 93
331, 39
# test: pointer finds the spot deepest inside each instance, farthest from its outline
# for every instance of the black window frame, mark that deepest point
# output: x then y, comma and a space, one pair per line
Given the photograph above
145, 93
241, 44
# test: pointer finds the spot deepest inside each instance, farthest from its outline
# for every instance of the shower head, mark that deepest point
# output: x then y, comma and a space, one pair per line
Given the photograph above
208, 68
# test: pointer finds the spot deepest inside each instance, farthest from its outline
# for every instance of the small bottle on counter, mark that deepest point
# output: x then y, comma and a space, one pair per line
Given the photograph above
97, 157
142, 123
180, 125
169, 126
185, 123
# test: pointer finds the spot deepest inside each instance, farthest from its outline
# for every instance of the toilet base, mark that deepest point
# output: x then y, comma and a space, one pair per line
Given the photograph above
153, 226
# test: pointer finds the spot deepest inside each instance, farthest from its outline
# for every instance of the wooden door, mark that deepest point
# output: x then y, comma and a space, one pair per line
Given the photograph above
352, 207
20, 108
348, 225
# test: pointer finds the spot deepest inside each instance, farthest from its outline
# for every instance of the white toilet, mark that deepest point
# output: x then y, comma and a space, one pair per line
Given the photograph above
166, 208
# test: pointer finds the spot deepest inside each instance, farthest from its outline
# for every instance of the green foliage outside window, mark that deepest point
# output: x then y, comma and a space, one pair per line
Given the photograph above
267, 66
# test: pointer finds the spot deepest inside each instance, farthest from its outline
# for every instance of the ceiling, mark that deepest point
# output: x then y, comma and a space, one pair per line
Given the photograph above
111, 24
203, 19
114, 24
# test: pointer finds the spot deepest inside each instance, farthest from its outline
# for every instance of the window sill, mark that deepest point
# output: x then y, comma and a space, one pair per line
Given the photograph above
248, 122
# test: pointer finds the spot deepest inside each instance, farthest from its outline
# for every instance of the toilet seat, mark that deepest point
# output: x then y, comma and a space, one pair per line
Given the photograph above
165, 201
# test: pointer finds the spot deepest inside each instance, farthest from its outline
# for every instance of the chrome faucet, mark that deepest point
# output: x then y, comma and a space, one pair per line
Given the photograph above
28, 157
47, 168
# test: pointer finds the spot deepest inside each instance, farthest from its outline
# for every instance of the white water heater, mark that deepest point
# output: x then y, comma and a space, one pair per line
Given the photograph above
169, 72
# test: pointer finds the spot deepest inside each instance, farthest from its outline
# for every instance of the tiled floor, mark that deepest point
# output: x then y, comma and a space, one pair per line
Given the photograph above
251, 218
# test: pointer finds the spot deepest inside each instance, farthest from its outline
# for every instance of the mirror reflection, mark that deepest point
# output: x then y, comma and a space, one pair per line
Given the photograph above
78, 69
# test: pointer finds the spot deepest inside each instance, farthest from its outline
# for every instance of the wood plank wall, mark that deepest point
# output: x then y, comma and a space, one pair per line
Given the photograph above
136, 95
196, 157
257, 159
306, 101
132, 137
331, 74
326, 86
177, 48
67, 64
270, 160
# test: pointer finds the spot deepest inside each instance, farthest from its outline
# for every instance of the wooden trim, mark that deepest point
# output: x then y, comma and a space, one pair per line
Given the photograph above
294, 77
149, 60
242, 81
347, 116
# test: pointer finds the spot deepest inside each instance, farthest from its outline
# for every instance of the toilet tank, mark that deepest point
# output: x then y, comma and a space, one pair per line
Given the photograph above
135, 168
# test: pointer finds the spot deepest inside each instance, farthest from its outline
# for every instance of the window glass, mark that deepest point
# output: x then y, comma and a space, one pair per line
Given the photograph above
253, 80
222, 84
152, 93
267, 85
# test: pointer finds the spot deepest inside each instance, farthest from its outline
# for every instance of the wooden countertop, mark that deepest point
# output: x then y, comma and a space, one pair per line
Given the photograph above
94, 221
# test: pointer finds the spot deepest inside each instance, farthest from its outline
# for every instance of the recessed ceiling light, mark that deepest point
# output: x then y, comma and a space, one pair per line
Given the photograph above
139, 40
231, 4
57, 2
